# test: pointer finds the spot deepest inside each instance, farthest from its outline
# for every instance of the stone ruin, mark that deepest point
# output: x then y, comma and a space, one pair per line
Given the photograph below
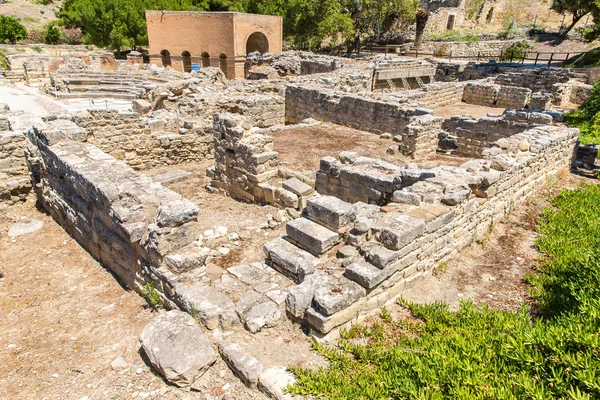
357, 233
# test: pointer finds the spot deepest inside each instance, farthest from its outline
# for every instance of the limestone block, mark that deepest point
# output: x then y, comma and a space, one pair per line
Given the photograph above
311, 236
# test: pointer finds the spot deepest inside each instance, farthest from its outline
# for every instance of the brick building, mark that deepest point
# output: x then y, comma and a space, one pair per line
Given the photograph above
187, 40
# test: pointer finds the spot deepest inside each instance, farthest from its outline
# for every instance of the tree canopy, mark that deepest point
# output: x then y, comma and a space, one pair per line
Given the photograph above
308, 24
11, 30
578, 9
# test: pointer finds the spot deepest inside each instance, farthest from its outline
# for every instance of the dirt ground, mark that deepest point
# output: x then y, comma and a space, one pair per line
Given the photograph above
65, 319
466, 109
493, 271
301, 149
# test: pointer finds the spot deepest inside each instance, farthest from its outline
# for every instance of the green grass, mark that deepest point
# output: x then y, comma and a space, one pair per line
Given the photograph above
590, 59
455, 36
587, 119
478, 353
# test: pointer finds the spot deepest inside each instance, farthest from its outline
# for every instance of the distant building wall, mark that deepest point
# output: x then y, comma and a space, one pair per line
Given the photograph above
216, 39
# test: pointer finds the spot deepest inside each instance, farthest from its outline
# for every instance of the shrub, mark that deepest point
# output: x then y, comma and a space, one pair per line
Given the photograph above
71, 35
587, 119
478, 353
11, 30
516, 51
52, 35
151, 295
35, 36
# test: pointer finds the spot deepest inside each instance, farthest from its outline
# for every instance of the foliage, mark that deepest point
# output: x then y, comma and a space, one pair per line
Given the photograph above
45, 2
37, 49
151, 295
11, 30
516, 51
3, 62
473, 8
587, 119
478, 353
71, 35
455, 36
577, 8
52, 35
35, 35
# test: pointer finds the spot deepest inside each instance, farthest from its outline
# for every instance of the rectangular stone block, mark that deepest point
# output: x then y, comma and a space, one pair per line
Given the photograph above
311, 236
330, 211
290, 260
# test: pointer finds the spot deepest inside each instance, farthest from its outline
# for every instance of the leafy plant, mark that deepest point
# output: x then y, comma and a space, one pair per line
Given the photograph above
587, 119
151, 295
37, 49
52, 35
479, 353
11, 30
517, 51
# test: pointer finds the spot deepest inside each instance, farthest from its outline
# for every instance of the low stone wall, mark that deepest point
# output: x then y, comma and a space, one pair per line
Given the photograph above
473, 135
437, 94
145, 142
482, 49
441, 211
14, 178
138, 229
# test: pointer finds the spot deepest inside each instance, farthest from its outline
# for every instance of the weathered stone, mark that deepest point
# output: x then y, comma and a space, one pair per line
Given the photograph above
248, 274
337, 295
364, 273
290, 260
24, 228
176, 213
311, 236
246, 367
274, 381
213, 308
400, 231
347, 252
380, 257
301, 296
246, 302
330, 212
262, 315
177, 348
297, 187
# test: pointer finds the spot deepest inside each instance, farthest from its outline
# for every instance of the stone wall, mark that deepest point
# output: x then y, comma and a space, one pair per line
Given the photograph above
359, 111
483, 49
435, 95
440, 211
473, 136
145, 142
14, 178
138, 229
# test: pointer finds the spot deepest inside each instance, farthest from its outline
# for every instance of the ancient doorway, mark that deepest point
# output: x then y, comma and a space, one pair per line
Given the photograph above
205, 60
223, 63
165, 58
257, 42
186, 60
451, 19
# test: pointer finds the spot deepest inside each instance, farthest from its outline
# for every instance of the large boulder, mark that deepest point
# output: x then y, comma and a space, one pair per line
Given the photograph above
177, 348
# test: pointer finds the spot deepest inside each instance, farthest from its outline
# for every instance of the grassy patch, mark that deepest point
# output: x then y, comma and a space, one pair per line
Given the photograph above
455, 36
587, 119
478, 353
589, 59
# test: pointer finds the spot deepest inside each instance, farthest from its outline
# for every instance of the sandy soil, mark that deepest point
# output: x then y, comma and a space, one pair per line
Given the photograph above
30, 13
65, 319
466, 109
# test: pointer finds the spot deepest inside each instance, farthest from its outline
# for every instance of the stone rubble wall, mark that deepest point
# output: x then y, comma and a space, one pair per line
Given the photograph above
483, 49
14, 178
435, 95
145, 142
473, 135
441, 211
137, 228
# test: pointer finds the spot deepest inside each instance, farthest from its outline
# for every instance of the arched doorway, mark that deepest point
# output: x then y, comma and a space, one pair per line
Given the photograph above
257, 42
205, 60
165, 57
223, 63
186, 59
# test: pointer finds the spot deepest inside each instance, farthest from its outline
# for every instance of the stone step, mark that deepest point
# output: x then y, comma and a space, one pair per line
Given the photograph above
330, 212
94, 95
311, 236
290, 260
103, 88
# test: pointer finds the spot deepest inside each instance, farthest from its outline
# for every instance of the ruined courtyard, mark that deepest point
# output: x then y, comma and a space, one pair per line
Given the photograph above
274, 211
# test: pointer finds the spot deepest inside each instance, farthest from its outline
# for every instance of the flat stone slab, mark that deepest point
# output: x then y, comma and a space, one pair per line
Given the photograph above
171, 176
334, 296
364, 273
290, 260
25, 227
400, 231
263, 315
380, 257
247, 301
297, 187
274, 381
330, 212
246, 367
300, 297
311, 236
213, 307
248, 274
177, 348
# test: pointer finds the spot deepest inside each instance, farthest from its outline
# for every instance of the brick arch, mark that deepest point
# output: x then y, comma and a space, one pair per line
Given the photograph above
186, 60
165, 57
205, 59
257, 41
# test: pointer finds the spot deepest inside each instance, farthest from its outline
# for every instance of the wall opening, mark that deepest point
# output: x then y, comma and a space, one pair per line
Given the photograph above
450, 25
257, 42
186, 59
223, 63
205, 60
165, 58
490, 15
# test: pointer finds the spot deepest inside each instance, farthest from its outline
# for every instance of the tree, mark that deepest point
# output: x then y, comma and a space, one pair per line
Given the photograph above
11, 30
421, 17
577, 8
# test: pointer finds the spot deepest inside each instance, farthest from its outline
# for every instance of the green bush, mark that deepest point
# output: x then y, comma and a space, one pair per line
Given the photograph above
52, 35
11, 30
478, 353
516, 51
151, 295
